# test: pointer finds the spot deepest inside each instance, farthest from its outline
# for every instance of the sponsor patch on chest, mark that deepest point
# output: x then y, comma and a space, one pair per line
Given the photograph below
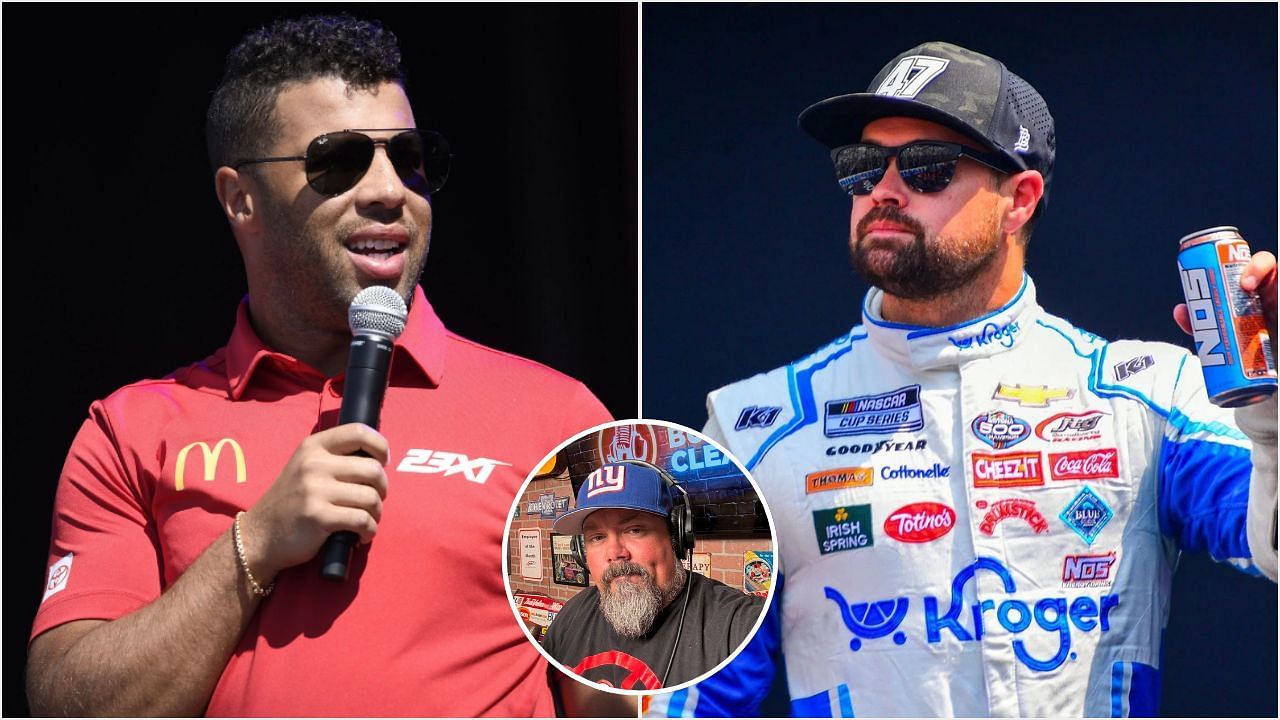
895, 411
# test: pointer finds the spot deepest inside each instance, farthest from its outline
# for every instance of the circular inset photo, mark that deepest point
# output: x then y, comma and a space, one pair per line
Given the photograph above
639, 557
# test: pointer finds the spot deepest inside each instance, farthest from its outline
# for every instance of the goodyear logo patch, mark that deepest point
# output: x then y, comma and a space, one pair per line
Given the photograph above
882, 414
843, 528
838, 479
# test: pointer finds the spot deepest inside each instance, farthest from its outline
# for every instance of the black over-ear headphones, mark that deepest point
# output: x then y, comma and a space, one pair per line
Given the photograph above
679, 522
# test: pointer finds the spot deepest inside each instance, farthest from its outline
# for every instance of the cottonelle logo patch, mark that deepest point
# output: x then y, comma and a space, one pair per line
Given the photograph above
920, 522
1062, 617
1071, 427
838, 479
883, 414
843, 528
1005, 470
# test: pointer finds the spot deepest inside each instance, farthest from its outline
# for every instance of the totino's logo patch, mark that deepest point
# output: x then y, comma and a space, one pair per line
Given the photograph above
1087, 514
1004, 470
920, 522
843, 528
838, 479
59, 574
890, 412
999, 429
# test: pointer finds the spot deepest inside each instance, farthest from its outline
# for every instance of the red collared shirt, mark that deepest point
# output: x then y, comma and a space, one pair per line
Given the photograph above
424, 626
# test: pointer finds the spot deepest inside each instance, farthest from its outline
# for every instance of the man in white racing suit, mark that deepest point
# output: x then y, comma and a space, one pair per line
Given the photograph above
978, 506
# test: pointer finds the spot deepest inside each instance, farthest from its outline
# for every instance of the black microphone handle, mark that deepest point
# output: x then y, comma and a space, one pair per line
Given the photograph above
362, 393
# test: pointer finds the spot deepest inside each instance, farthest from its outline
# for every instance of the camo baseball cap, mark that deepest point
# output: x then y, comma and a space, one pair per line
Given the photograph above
964, 90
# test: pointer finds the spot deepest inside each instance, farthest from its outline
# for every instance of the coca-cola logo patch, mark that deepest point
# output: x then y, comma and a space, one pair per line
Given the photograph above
920, 522
1084, 464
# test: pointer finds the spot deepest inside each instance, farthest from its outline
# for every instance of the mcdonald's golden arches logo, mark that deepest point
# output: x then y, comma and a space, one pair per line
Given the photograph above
210, 457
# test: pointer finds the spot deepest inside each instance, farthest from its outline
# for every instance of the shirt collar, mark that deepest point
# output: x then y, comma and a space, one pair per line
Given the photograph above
422, 342
925, 347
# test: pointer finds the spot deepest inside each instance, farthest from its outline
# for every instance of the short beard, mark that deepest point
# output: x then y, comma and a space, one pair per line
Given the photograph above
629, 607
929, 266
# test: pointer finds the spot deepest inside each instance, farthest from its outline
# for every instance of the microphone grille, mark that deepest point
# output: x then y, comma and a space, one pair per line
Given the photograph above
378, 309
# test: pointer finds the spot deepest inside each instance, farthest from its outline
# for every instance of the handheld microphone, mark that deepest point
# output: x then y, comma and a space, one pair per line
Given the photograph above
377, 317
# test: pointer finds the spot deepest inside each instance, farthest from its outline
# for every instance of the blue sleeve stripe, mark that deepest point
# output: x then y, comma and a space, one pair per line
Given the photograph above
803, 408
675, 705
846, 703
1135, 690
1119, 690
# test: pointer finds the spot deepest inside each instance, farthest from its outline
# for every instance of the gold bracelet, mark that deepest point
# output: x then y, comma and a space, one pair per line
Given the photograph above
254, 587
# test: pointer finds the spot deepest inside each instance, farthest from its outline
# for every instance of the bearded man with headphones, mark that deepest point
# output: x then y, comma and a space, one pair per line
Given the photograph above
646, 622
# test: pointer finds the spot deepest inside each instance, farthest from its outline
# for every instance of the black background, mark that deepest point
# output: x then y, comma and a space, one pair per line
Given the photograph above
119, 264
1166, 124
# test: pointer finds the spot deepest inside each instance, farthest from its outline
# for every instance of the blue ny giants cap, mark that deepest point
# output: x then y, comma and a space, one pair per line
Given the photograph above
966, 91
626, 487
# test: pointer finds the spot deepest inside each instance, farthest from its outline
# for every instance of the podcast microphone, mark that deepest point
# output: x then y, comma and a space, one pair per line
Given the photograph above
377, 316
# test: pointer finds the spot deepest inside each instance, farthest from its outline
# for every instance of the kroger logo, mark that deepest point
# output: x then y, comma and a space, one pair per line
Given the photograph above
990, 333
870, 621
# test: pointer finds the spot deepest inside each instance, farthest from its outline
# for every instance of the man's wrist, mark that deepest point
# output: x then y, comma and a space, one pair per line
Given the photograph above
260, 585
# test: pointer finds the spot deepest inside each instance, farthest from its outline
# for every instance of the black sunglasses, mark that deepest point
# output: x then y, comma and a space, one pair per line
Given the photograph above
336, 161
925, 166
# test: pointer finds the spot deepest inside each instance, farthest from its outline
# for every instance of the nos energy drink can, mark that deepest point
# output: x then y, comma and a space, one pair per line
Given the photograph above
1226, 322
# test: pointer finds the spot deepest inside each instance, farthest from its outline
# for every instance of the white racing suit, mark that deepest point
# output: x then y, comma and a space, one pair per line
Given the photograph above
984, 519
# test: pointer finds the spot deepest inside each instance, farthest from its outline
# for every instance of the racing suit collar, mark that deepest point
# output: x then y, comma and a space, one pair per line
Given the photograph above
925, 347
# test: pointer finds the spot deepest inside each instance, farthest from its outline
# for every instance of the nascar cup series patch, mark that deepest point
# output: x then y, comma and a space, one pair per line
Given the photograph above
882, 414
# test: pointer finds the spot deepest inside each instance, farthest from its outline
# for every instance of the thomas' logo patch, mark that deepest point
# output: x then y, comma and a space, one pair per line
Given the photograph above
59, 574
1031, 395
838, 479
1003, 470
890, 412
1070, 427
756, 417
608, 479
1087, 514
1084, 464
1011, 508
843, 528
999, 429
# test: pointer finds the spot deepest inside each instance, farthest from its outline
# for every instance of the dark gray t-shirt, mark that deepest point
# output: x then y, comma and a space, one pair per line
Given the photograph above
718, 620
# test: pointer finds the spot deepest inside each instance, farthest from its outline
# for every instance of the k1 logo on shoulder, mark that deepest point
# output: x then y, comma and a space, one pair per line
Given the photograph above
843, 528
432, 462
1133, 366
756, 417
883, 414
1055, 616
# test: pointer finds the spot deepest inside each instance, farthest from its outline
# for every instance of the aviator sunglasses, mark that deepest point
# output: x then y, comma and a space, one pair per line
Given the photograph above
926, 166
336, 161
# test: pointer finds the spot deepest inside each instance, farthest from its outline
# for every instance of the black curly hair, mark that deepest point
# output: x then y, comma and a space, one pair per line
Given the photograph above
241, 119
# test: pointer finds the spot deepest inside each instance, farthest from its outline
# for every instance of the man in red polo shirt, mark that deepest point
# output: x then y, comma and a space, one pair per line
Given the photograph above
181, 576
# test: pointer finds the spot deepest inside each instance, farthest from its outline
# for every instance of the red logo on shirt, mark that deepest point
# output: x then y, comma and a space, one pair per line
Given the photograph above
920, 522
638, 675
1084, 464
1012, 508
1001, 470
